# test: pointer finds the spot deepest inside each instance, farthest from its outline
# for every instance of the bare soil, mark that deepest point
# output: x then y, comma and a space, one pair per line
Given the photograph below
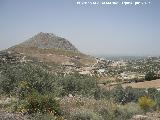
146, 84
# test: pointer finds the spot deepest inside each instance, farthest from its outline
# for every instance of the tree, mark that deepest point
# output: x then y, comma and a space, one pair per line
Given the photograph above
150, 76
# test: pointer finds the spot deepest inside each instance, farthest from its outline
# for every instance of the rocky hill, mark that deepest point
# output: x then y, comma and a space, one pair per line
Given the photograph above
47, 47
48, 41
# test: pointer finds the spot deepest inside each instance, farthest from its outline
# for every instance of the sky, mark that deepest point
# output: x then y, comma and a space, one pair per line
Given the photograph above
93, 29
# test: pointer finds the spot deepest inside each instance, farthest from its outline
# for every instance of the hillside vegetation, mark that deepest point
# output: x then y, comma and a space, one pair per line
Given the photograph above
32, 90
35, 85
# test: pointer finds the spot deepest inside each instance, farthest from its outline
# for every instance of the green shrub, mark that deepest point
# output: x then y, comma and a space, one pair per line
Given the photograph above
8, 103
78, 84
42, 104
102, 93
20, 78
36, 103
146, 103
6, 85
132, 94
119, 112
150, 76
152, 93
119, 94
23, 89
107, 112
21, 106
124, 112
40, 116
84, 114
157, 99
125, 95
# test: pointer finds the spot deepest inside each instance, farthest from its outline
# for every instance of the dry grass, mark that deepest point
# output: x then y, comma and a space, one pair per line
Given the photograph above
108, 110
146, 84
54, 55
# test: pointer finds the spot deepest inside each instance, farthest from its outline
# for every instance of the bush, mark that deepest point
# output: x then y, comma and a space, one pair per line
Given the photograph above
36, 103
78, 84
24, 89
132, 94
157, 99
150, 76
152, 93
108, 110
84, 114
146, 103
21, 106
21, 78
119, 94
102, 93
40, 116
125, 112
126, 95
6, 85
42, 104
119, 112
18, 79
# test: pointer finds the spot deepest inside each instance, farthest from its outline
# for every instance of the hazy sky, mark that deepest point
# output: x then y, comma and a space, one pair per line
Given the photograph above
93, 29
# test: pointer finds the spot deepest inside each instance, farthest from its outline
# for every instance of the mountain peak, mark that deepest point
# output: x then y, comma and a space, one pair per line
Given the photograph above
45, 34
48, 47
49, 41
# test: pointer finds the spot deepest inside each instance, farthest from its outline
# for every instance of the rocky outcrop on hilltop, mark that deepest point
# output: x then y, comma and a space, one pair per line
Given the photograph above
49, 41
